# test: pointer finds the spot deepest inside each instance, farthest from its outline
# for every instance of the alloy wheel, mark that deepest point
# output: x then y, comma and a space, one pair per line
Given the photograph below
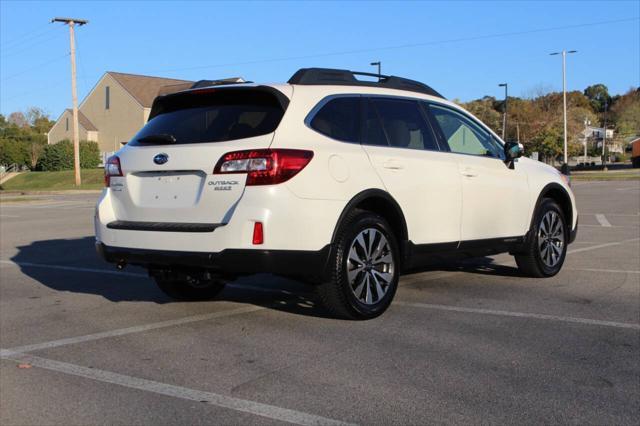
370, 266
551, 239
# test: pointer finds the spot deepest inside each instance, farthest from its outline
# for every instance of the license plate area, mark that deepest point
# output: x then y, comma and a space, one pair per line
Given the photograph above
172, 189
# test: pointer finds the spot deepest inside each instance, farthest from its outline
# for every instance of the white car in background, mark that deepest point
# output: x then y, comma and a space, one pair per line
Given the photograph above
339, 182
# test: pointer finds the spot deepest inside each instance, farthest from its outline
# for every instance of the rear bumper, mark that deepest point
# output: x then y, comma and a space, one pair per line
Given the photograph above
231, 262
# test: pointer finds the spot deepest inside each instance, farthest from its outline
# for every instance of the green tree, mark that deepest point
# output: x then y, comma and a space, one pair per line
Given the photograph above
549, 143
485, 111
625, 114
598, 95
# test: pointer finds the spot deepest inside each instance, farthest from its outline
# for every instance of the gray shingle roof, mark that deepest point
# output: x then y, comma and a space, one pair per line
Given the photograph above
143, 88
83, 120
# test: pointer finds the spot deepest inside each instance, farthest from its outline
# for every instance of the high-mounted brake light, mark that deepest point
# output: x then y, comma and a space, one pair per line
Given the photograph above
264, 166
111, 168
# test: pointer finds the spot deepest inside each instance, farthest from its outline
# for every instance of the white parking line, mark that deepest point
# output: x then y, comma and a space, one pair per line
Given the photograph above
612, 226
599, 246
613, 214
128, 330
609, 271
236, 404
521, 315
602, 220
34, 205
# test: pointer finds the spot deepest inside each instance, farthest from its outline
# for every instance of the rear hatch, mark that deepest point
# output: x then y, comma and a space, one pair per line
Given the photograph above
168, 166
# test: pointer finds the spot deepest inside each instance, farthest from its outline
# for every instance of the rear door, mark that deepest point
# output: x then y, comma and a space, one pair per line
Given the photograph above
168, 166
495, 198
425, 182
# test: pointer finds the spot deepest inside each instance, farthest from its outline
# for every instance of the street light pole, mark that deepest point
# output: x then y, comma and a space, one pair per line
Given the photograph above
379, 64
565, 165
504, 114
74, 94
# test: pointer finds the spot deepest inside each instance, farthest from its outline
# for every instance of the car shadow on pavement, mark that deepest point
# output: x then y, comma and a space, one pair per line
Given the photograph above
483, 266
476, 265
74, 261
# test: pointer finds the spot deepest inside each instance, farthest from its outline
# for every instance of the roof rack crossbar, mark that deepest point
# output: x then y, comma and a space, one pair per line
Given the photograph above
329, 76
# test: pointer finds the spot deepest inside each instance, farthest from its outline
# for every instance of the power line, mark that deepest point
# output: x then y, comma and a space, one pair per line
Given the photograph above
17, 44
20, 50
27, 35
35, 67
41, 89
405, 46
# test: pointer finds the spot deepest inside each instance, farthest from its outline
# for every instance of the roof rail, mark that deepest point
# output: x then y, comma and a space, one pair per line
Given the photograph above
329, 76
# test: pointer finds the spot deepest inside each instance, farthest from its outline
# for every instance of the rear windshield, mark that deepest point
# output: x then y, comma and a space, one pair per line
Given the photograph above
211, 115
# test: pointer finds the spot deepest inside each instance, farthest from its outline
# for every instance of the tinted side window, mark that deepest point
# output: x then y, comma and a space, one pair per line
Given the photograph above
339, 119
373, 133
463, 135
404, 123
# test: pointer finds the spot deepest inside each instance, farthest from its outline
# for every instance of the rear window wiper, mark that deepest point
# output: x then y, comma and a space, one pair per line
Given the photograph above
159, 138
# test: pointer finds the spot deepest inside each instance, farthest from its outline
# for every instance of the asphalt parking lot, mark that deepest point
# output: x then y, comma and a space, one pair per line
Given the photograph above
468, 343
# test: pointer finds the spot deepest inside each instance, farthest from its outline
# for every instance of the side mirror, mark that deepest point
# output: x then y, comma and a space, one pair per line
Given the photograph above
513, 150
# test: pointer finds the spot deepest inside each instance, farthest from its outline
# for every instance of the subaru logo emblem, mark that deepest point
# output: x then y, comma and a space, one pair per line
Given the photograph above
161, 158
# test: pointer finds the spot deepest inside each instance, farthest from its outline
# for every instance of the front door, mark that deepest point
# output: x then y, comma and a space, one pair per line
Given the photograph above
495, 198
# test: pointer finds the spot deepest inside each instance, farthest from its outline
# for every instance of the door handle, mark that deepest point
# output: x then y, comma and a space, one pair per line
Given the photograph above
392, 165
469, 172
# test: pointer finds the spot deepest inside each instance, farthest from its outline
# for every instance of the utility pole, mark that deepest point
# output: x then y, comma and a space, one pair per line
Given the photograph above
379, 64
504, 114
604, 138
71, 22
565, 165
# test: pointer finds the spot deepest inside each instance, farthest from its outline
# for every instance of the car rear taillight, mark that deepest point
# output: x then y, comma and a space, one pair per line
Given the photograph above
264, 166
111, 168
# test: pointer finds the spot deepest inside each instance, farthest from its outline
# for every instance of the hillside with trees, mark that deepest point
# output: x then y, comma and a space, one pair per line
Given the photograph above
537, 120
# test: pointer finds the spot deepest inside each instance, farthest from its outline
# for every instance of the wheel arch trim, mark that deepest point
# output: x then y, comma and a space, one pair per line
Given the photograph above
567, 207
370, 194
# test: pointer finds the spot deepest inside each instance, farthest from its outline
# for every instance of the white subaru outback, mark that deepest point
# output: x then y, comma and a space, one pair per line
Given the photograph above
337, 181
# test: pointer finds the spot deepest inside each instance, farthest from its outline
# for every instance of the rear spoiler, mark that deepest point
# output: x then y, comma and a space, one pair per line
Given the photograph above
157, 107
174, 88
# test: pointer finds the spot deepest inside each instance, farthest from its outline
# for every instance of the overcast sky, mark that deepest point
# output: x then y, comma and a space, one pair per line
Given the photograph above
462, 49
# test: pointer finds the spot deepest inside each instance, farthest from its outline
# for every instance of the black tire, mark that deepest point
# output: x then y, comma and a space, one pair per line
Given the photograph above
189, 289
534, 261
377, 277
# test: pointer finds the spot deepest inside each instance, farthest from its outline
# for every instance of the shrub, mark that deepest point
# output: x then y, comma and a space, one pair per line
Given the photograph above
90, 156
59, 156
12, 151
620, 157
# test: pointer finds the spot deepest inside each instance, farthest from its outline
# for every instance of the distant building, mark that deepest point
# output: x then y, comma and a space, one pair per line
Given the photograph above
114, 110
594, 135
